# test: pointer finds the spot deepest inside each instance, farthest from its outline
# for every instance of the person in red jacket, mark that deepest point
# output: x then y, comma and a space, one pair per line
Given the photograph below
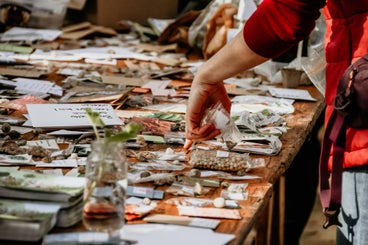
274, 27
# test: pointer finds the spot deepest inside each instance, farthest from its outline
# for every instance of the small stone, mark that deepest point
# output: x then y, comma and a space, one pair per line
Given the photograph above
73, 156
219, 202
145, 156
6, 128
146, 201
145, 174
14, 134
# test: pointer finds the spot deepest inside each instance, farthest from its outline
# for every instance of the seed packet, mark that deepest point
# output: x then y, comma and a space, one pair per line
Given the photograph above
219, 160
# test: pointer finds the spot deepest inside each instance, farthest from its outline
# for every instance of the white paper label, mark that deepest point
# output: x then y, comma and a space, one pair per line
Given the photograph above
222, 154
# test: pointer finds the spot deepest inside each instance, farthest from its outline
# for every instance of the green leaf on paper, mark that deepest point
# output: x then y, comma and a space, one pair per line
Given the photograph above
129, 131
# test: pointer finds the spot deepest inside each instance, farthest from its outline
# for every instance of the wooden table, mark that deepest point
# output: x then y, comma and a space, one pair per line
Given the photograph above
258, 208
263, 207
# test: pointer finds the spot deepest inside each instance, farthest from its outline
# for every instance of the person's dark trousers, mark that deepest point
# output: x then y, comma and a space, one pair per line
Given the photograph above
301, 181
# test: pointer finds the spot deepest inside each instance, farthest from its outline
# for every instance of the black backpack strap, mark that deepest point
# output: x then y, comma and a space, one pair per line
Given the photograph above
331, 195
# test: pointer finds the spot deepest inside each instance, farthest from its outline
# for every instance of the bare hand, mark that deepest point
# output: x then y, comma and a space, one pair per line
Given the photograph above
202, 97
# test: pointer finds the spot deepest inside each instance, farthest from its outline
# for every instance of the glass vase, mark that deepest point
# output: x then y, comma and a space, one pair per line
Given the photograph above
105, 191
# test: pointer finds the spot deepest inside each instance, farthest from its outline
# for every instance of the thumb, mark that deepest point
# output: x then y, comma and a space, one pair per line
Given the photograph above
188, 144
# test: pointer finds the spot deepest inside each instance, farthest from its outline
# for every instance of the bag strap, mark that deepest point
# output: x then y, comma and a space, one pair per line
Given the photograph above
330, 196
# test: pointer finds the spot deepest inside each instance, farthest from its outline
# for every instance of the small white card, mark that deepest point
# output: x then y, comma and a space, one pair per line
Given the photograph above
290, 93
69, 115
158, 88
209, 212
67, 163
50, 144
183, 220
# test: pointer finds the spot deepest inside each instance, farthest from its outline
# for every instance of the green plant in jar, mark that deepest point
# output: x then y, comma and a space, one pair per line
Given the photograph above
106, 174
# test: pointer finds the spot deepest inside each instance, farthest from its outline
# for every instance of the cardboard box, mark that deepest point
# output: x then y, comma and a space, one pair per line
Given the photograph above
109, 12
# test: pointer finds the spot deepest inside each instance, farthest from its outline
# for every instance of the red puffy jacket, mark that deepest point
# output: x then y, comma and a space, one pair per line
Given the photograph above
280, 24
346, 41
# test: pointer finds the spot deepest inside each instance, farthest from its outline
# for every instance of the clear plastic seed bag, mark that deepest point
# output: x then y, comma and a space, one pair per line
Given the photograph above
219, 160
220, 118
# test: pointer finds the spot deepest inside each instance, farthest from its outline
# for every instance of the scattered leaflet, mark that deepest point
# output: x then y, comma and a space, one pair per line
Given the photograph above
30, 34
290, 93
257, 103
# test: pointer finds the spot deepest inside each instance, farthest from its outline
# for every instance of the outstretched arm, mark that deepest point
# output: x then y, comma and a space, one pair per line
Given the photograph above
276, 26
208, 87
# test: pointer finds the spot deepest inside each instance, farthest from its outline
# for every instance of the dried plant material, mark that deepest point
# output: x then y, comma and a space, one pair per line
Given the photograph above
146, 156
12, 148
177, 32
38, 151
6, 128
218, 25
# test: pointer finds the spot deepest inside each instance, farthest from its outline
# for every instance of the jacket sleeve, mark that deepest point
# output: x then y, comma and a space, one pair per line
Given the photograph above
277, 25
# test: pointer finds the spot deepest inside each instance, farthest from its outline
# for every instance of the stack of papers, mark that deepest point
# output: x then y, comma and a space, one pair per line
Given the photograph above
22, 184
48, 199
26, 221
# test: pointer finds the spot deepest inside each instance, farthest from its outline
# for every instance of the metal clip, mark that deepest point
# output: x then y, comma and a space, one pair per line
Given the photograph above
332, 218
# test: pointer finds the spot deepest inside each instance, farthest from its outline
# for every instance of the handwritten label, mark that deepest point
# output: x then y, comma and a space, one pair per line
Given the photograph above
69, 115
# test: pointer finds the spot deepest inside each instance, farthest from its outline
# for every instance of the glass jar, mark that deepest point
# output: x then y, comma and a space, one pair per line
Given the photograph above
105, 191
